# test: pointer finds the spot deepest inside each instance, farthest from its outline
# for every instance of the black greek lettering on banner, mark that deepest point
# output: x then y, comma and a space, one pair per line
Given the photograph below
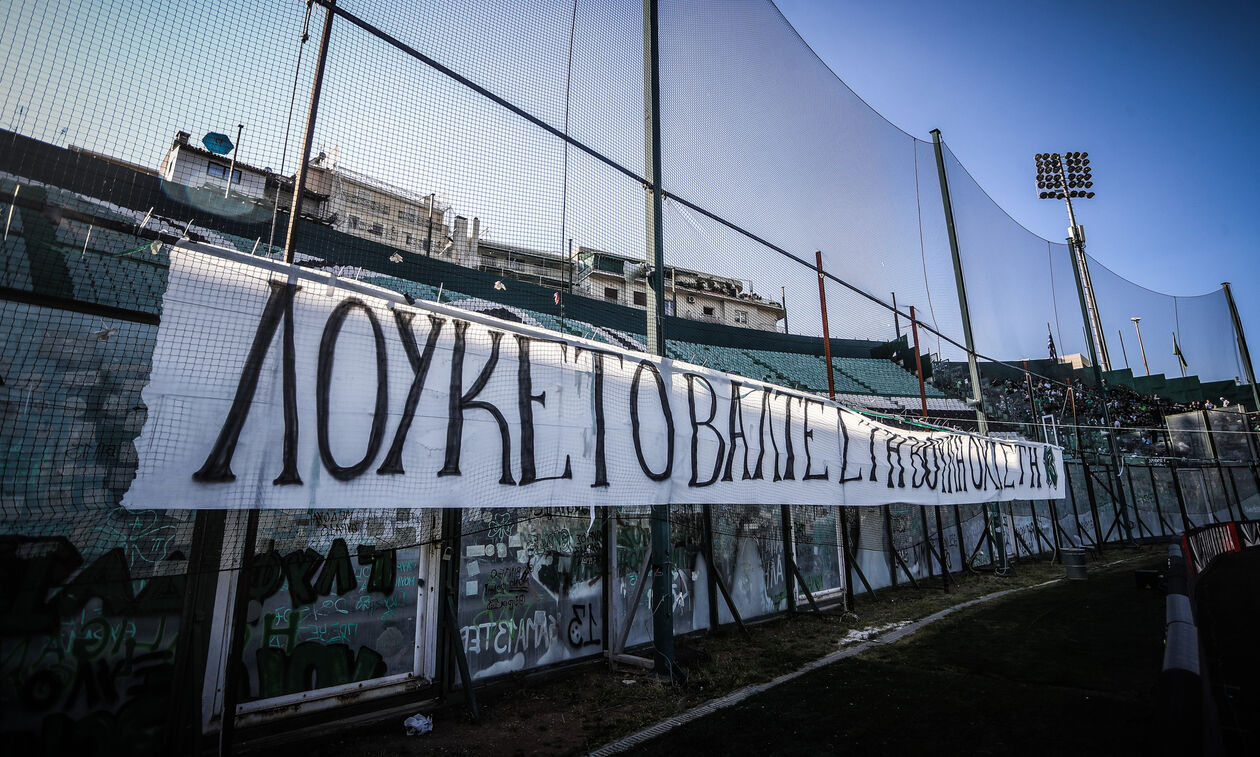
601, 425
809, 434
525, 400
218, 464
636, 429
736, 432
692, 379
420, 363
844, 451
323, 381
789, 467
460, 401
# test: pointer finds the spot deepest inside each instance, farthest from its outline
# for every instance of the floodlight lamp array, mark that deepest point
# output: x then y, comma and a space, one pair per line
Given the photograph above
1066, 175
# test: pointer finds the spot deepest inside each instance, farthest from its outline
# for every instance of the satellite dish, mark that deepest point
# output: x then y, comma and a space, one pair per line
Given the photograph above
219, 144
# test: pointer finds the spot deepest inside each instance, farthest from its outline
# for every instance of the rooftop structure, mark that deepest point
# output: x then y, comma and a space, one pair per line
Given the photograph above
363, 206
690, 294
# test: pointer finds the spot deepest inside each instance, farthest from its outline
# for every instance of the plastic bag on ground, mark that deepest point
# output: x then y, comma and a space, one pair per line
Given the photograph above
418, 725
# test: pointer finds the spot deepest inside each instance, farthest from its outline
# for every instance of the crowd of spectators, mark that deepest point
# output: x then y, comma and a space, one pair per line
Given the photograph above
1137, 421
1078, 412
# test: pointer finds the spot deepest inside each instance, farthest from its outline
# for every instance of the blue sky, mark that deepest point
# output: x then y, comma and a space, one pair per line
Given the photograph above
1164, 96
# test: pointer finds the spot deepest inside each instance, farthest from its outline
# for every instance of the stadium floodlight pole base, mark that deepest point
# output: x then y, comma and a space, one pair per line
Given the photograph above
1076, 246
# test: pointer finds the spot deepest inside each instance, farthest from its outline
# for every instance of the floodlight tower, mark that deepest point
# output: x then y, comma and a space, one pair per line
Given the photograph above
1067, 177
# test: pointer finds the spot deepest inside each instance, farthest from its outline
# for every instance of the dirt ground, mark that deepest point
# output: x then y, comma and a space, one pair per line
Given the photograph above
1065, 669
1004, 656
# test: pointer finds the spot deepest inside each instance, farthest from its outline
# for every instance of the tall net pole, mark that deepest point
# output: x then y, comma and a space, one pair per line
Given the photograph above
1243, 352
304, 157
662, 568
999, 541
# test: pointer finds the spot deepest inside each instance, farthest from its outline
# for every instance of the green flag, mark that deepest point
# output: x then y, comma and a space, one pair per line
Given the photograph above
1177, 353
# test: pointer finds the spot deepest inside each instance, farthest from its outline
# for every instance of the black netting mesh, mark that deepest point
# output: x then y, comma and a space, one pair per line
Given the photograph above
1202, 326
1020, 287
870, 194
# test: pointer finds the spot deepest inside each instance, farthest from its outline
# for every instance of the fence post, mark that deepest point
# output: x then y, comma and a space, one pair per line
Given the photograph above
789, 557
711, 573
448, 578
1186, 523
847, 556
299, 179
610, 568
1241, 337
888, 539
1159, 511
1233, 483
962, 541
1137, 512
940, 545
1054, 525
236, 653
1220, 473
1093, 505
192, 649
663, 579
927, 539
988, 533
1019, 540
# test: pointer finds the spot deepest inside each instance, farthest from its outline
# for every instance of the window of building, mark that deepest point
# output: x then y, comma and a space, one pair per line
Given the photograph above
610, 294
407, 237
353, 222
640, 298
220, 171
610, 265
708, 310
377, 229
741, 316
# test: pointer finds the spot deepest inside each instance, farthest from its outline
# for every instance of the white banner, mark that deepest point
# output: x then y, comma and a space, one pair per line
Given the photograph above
278, 387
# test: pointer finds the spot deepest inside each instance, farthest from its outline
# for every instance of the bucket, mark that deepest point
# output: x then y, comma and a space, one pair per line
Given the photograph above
1146, 579
1074, 561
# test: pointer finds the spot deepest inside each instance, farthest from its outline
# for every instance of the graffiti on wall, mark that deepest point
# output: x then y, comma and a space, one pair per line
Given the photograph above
326, 617
817, 546
531, 588
88, 641
748, 552
688, 572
